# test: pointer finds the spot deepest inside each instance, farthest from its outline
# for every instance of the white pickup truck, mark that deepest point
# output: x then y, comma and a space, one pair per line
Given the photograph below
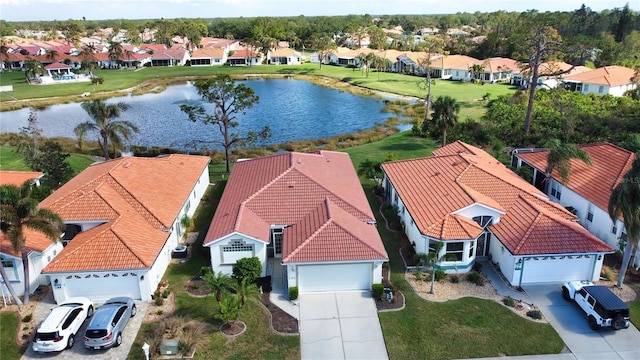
603, 307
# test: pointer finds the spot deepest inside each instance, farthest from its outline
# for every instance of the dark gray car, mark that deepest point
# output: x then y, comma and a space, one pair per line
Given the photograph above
108, 322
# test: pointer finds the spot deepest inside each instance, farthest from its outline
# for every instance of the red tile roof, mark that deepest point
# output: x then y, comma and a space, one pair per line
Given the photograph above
17, 178
459, 175
36, 241
596, 182
209, 52
244, 54
127, 195
608, 75
318, 193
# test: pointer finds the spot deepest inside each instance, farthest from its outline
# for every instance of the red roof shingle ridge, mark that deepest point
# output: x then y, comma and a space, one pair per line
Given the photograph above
327, 221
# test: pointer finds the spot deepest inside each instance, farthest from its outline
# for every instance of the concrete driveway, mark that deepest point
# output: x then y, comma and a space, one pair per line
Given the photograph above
571, 324
342, 325
78, 351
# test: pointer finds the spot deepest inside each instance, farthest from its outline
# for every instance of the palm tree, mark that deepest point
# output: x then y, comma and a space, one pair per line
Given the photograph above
559, 159
431, 259
18, 211
445, 115
103, 122
218, 283
52, 55
229, 308
625, 201
115, 51
476, 71
32, 67
245, 289
369, 169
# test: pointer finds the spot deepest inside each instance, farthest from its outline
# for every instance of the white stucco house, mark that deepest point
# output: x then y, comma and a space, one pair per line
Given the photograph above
608, 80
209, 56
122, 222
284, 56
481, 210
589, 187
309, 212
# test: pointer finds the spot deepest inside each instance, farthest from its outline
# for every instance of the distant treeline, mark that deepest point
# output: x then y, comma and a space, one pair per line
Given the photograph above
614, 35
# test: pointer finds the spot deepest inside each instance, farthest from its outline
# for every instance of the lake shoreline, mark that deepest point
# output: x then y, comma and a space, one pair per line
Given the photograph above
160, 84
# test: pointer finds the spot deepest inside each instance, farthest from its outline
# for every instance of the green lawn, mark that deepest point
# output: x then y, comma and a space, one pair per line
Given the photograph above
467, 94
10, 160
258, 338
460, 329
403, 145
9, 350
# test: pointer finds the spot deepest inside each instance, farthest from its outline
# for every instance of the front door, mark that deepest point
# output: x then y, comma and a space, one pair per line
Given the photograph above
277, 236
482, 247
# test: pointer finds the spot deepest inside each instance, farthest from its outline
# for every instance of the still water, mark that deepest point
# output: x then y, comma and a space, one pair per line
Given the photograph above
294, 109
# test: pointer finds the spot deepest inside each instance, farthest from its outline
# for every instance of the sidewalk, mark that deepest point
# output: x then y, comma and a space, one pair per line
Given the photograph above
501, 287
279, 293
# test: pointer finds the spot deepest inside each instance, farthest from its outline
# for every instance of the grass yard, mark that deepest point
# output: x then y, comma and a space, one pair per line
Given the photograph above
8, 347
258, 338
468, 95
459, 329
403, 145
10, 160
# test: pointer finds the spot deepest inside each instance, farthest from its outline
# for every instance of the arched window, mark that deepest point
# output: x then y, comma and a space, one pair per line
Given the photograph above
483, 220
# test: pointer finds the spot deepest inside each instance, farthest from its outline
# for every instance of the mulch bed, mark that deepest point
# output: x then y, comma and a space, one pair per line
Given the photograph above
280, 320
398, 297
232, 329
196, 286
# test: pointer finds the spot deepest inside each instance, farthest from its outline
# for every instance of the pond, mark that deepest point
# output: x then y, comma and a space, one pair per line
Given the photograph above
294, 110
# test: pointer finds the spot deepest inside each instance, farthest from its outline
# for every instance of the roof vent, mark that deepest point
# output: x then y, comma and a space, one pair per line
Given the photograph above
127, 165
436, 173
371, 222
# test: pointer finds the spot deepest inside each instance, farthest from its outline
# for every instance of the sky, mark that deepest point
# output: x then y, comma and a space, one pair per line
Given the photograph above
35, 10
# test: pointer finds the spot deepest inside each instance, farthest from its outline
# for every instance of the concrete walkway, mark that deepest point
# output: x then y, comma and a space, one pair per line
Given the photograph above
501, 286
342, 325
279, 295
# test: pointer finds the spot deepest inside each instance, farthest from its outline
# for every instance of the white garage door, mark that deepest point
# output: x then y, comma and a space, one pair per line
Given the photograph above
101, 286
334, 277
560, 269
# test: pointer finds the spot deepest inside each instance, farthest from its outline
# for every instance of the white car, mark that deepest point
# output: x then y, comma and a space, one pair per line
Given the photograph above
57, 332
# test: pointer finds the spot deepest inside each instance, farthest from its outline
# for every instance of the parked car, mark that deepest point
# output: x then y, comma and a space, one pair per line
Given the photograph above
602, 307
57, 331
106, 327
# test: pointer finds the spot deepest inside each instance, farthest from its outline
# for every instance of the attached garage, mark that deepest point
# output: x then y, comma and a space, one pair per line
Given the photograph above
335, 277
100, 286
555, 269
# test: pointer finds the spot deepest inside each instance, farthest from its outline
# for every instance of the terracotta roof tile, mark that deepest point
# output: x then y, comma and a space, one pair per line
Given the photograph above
433, 189
291, 188
595, 182
208, 52
608, 75
17, 178
124, 194
36, 241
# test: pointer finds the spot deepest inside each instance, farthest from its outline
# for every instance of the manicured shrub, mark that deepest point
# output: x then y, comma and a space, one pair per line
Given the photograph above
27, 318
534, 314
418, 274
440, 275
293, 292
248, 269
377, 290
165, 293
509, 302
475, 278
454, 279
157, 298
159, 312
205, 270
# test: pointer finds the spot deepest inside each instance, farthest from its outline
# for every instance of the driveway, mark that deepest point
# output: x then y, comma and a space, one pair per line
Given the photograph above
78, 351
571, 324
342, 325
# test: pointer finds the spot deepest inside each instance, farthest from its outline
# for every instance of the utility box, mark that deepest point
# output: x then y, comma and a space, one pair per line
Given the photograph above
169, 347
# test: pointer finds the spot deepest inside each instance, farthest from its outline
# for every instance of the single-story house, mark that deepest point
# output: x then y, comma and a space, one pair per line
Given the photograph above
14, 60
309, 211
245, 58
589, 187
480, 209
122, 221
208, 56
170, 58
611, 80
284, 56
454, 67
499, 69
547, 74
18, 178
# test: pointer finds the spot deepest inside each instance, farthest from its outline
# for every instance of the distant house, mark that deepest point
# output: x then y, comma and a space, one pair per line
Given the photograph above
208, 56
245, 58
18, 178
14, 60
608, 80
428, 31
499, 69
589, 187
123, 220
308, 212
454, 67
170, 58
152, 48
284, 56
551, 74
481, 210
